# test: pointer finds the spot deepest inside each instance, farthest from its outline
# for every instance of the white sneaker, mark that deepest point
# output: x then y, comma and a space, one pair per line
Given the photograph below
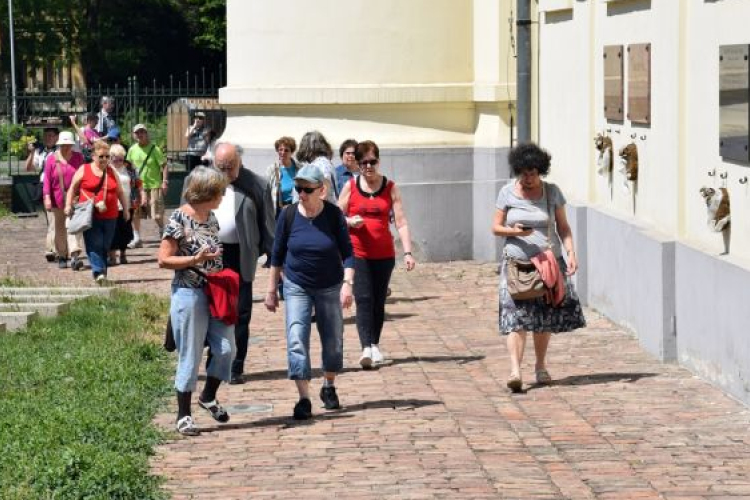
101, 280
366, 359
377, 356
135, 244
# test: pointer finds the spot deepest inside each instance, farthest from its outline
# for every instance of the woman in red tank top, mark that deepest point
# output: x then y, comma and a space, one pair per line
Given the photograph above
88, 184
368, 201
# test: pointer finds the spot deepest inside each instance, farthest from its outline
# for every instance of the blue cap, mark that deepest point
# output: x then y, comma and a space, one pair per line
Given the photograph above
310, 173
113, 133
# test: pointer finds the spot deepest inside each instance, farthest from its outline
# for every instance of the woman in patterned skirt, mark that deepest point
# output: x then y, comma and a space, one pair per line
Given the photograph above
524, 208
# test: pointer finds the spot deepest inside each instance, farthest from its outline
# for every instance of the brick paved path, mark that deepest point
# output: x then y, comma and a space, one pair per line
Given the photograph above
438, 422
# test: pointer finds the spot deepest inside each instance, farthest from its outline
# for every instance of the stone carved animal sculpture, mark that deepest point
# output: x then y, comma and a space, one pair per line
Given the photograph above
604, 146
717, 204
629, 157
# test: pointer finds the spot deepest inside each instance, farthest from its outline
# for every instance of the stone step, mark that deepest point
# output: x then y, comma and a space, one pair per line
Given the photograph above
2, 327
20, 298
47, 309
17, 320
67, 290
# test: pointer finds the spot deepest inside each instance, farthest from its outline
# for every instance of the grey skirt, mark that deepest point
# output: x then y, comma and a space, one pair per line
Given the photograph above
535, 315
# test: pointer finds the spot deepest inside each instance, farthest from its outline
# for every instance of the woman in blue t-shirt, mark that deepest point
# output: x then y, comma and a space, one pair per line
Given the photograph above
281, 174
312, 246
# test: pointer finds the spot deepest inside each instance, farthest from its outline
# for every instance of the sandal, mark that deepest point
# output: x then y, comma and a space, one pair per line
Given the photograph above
186, 427
217, 411
543, 377
515, 384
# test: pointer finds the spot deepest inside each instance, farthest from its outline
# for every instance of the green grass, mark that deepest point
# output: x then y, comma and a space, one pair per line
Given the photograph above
5, 211
77, 397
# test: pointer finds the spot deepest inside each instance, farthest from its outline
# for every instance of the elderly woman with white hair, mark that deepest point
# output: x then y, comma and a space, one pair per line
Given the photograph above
190, 243
133, 186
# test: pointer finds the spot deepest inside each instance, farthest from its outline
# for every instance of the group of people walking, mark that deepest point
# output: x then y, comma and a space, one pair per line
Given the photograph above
91, 163
324, 256
325, 252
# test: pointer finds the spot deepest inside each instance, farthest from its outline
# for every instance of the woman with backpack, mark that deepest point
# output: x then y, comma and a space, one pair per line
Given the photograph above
312, 246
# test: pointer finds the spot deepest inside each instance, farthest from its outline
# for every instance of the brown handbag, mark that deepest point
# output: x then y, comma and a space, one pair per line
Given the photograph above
523, 279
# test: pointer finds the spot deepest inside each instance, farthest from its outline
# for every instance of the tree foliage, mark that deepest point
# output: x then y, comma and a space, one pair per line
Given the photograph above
114, 39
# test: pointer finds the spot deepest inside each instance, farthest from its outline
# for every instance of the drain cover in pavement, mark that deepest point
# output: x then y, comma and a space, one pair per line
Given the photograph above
265, 408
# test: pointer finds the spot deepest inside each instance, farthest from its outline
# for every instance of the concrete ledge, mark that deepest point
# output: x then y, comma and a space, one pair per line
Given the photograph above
713, 319
85, 291
46, 309
630, 279
39, 298
17, 320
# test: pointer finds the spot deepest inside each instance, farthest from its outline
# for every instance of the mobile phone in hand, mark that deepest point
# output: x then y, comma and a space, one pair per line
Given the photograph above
525, 227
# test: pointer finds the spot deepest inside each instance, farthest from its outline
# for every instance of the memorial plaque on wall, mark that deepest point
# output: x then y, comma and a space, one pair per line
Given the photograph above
734, 95
613, 86
639, 83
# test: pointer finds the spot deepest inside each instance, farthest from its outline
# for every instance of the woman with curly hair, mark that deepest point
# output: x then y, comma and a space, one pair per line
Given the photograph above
531, 217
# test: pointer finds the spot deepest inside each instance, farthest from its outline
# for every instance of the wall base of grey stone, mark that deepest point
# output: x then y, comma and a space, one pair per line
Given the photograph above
449, 195
683, 304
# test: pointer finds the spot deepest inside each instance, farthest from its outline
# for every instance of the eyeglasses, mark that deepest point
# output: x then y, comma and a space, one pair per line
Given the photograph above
369, 163
224, 167
103, 157
307, 190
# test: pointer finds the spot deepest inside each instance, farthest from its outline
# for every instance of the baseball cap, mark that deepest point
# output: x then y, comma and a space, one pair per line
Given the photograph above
138, 127
200, 114
310, 173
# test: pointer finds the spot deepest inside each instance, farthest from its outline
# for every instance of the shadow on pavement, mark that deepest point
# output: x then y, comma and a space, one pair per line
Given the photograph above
393, 300
461, 360
598, 378
323, 415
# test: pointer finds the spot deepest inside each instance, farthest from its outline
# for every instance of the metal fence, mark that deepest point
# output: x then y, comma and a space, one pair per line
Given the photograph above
136, 99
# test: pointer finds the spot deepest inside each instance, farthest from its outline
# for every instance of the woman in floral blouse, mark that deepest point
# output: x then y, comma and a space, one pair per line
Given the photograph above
191, 240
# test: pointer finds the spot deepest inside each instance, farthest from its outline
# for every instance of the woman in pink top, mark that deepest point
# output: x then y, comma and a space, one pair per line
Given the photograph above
58, 174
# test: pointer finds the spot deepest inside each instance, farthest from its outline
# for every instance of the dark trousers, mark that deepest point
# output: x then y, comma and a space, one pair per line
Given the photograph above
371, 278
231, 256
192, 161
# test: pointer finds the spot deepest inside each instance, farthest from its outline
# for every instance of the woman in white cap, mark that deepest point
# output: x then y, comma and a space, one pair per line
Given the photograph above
59, 169
312, 245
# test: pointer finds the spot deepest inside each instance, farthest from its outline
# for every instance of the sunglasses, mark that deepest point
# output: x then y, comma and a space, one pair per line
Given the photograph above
368, 163
307, 190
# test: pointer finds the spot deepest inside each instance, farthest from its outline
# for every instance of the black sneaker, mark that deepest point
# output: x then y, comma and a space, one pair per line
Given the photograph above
237, 379
62, 263
50, 256
329, 398
303, 409
76, 264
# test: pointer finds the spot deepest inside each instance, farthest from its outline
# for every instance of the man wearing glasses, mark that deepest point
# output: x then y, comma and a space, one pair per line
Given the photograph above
151, 165
246, 231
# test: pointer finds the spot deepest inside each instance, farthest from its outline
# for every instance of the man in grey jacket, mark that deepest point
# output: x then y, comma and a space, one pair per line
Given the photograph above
246, 222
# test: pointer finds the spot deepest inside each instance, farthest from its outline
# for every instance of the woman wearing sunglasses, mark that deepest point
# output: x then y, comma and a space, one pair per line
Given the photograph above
367, 201
98, 182
313, 247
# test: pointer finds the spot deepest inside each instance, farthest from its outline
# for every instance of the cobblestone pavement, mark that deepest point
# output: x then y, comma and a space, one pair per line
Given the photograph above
437, 421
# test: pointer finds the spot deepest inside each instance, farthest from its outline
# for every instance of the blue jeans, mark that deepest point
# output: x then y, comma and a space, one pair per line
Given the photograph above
193, 326
98, 240
299, 303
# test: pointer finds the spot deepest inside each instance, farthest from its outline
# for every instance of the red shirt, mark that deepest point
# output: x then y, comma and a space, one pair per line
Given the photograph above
89, 183
372, 240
